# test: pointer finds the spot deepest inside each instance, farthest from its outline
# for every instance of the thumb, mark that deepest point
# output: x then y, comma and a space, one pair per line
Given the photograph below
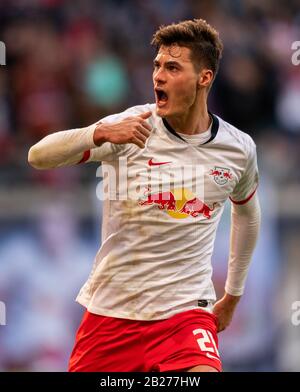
145, 115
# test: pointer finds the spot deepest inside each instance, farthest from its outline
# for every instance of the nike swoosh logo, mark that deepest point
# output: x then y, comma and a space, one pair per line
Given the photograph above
151, 163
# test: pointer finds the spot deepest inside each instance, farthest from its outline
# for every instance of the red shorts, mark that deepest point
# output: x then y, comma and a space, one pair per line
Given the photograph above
109, 344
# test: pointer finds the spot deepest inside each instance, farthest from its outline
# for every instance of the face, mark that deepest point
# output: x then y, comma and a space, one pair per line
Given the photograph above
175, 81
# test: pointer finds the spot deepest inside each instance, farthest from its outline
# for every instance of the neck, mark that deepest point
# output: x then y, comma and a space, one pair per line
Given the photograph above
195, 120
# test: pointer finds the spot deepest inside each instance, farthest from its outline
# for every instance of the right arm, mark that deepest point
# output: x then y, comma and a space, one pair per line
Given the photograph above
75, 146
63, 148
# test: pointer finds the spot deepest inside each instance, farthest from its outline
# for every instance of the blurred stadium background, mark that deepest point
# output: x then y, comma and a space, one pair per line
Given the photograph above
69, 63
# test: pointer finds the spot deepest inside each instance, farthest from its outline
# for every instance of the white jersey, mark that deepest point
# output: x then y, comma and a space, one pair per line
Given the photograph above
158, 234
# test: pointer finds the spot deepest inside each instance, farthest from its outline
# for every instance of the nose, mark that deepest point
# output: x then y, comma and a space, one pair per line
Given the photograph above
159, 76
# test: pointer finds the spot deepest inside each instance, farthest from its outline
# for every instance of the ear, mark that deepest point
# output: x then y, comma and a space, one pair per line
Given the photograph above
205, 77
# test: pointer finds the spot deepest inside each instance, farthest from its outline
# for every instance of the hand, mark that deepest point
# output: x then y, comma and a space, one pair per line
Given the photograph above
224, 310
130, 130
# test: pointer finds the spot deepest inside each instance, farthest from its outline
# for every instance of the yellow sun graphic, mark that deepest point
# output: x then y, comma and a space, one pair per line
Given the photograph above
181, 195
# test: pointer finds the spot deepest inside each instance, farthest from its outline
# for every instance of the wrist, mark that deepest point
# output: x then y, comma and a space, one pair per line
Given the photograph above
231, 299
100, 134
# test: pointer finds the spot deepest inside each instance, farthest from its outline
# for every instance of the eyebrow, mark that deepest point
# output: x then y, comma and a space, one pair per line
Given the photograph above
156, 62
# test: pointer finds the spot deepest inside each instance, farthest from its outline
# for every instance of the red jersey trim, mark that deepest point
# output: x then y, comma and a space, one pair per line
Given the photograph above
243, 201
85, 157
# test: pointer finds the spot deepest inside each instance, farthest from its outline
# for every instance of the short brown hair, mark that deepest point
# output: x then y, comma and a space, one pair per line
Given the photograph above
203, 40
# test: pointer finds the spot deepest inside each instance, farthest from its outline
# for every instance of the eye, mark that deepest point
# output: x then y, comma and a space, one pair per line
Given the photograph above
172, 68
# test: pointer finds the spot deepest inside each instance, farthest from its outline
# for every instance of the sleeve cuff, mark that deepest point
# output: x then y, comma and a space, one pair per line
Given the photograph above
88, 140
233, 291
85, 156
245, 200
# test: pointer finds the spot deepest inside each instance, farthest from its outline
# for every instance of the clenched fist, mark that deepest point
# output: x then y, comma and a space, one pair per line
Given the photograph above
130, 130
224, 310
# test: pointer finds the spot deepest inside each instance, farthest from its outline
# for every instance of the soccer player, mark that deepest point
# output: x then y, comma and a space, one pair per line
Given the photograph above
151, 304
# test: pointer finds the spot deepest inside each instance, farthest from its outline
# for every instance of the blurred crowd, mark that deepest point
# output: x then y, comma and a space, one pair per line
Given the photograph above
70, 63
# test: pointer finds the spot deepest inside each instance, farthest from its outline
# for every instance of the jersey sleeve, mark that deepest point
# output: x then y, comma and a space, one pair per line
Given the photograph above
248, 183
109, 151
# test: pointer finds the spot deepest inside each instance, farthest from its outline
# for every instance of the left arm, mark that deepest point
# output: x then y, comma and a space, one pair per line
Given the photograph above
245, 224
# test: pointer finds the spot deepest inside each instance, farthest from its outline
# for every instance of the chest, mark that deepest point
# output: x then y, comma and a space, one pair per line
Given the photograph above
207, 174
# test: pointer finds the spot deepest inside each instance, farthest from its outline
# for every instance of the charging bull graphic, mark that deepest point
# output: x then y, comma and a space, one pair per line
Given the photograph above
164, 200
179, 203
196, 207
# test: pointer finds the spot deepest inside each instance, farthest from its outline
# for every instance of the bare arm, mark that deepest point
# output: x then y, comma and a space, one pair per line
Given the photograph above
245, 224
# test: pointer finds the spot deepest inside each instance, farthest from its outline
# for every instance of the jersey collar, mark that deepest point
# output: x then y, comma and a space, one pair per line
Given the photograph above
214, 128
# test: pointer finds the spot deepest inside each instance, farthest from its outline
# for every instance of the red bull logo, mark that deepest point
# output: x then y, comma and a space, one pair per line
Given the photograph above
196, 207
221, 175
164, 200
179, 203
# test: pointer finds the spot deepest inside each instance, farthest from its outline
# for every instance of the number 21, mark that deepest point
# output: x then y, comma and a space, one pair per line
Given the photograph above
206, 338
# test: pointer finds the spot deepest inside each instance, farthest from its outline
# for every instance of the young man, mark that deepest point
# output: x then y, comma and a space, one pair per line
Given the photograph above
150, 299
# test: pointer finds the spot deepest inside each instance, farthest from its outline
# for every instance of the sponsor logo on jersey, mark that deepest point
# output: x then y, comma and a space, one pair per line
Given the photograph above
221, 175
178, 203
151, 163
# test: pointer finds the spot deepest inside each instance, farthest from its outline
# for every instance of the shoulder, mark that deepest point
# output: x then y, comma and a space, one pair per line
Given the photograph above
236, 138
132, 111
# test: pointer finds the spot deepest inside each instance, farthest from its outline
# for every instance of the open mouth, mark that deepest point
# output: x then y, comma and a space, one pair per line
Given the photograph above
161, 97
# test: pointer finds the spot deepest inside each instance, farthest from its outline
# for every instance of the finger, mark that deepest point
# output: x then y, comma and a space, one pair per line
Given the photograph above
145, 115
138, 142
144, 131
221, 327
141, 137
217, 321
146, 125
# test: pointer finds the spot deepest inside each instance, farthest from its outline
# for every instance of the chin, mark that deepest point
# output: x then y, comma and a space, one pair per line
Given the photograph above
162, 112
